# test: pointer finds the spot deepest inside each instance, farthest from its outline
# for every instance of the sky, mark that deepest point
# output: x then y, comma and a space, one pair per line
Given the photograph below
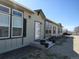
65, 12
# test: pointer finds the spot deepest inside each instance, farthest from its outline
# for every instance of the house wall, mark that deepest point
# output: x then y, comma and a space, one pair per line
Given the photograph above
61, 32
58, 28
48, 27
39, 18
50, 23
29, 29
10, 43
54, 34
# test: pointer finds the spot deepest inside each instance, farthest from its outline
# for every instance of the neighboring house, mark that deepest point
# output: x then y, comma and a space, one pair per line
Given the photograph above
52, 29
19, 26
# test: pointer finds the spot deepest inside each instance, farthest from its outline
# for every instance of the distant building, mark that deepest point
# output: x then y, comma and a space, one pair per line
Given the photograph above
67, 32
76, 30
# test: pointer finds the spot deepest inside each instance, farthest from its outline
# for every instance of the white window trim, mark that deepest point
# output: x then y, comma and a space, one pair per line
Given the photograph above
8, 30
35, 29
12, 27
6, 7
17, 11
9, 20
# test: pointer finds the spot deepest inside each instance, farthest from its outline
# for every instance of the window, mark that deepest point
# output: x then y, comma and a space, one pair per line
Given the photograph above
59, 30
4, 22
17, 24
17, 13
54, 30
24, 28
4, 9
50, 31
47, 31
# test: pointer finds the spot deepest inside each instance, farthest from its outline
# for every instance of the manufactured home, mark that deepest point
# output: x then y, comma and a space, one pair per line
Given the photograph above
19, 25
52, 28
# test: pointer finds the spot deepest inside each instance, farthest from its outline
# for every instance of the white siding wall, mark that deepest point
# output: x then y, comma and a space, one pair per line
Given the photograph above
41, 20
10, 44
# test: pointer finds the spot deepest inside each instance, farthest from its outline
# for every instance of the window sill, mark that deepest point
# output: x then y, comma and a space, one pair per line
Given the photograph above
10, 38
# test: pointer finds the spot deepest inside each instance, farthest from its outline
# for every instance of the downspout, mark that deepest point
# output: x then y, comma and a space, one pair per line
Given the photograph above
44, 28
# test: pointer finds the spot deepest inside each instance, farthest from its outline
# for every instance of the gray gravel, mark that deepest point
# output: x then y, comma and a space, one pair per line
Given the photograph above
67, 48
62, 51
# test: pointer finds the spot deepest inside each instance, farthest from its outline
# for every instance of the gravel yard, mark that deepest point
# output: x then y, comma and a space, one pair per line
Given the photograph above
69, 48
32, 53
58, 51
41, 54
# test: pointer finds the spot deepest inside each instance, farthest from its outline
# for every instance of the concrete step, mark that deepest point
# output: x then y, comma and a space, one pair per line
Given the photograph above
37, 44
50, 44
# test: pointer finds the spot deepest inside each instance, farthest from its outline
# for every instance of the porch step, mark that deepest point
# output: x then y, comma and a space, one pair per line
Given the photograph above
42, 42
50, 44
47, 44
44, 45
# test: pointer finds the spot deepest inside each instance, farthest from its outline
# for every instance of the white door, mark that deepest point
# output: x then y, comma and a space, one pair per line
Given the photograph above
37, 30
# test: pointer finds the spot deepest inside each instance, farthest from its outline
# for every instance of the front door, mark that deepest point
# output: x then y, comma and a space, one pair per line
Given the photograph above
37, 30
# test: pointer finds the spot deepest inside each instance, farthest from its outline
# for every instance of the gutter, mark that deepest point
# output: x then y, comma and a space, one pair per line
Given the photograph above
24, 7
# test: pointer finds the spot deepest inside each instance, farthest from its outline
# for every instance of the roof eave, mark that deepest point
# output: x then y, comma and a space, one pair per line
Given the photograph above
22, 6
41, 12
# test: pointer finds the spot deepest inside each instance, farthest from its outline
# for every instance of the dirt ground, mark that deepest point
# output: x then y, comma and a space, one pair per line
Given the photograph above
31, 52
67, 50
40, 54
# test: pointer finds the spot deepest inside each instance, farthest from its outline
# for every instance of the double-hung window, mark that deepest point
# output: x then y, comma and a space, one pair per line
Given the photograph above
54, 30
4, 21
17, 23
58, 30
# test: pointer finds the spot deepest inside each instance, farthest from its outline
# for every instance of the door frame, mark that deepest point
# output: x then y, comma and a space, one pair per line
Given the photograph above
35, 30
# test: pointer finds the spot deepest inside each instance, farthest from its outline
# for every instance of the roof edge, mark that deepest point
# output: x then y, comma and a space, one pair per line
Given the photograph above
18, 4
40, 10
